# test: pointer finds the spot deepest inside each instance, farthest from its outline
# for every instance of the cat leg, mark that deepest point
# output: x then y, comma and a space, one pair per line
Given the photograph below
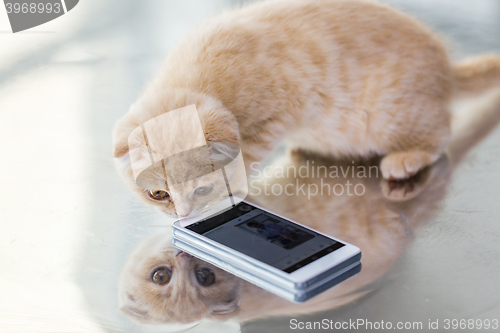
406, 189
413, 145
404, 164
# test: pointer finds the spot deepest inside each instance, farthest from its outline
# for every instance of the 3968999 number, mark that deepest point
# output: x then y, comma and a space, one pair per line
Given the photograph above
471, 324
33, 8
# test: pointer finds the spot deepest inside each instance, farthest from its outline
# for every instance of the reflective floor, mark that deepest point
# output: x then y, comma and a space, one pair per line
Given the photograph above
68, 224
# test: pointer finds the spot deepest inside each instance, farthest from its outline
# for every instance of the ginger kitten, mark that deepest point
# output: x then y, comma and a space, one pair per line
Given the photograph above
333, 77
382, 222
161, 284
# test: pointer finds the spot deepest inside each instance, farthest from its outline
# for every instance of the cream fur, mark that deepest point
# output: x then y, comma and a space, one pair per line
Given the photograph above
334, 77
382, 222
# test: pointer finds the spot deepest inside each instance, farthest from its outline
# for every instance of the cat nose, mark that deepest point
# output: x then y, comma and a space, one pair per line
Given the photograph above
182, 209
181, 213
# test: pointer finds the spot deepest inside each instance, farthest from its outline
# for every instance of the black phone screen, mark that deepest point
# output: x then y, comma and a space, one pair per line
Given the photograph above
266, 237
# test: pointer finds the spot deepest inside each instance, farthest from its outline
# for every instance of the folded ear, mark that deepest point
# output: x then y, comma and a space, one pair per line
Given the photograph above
221, 153
219, 124
226, 310
120, 149
120, 138
124, 127
135, 313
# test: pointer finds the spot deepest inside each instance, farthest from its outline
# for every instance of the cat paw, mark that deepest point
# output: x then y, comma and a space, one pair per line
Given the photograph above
405, 189
402, 165
409, 188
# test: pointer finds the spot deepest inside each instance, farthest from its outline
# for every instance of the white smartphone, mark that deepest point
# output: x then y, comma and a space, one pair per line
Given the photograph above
250, 239
297, 296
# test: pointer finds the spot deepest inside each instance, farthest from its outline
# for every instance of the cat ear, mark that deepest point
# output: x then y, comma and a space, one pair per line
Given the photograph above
219, 124
120, 150
122, 129
221, 152
226, 309
120, 139
135, 313
131, 308
120, 147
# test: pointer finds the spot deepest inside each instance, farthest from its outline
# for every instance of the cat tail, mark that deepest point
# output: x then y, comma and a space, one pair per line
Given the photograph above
471, 123
474, 119
476, 75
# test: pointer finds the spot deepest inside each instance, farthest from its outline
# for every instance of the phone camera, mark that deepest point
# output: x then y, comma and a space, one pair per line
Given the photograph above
245, 208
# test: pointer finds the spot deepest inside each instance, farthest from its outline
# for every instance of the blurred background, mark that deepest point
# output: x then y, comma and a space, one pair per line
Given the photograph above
67, 223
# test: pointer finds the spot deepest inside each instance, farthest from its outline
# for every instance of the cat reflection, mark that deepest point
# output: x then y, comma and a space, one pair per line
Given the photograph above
161, 284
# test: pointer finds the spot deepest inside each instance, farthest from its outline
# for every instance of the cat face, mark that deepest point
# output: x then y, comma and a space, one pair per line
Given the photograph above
161, 284
185, 183
190, 197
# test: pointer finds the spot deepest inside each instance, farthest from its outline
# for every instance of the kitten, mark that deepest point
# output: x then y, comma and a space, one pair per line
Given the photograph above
382, 222
334, 77
161, 284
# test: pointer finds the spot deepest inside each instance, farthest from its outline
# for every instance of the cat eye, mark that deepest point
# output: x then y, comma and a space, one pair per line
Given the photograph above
159, 195
205, 277
203, 191
161, 276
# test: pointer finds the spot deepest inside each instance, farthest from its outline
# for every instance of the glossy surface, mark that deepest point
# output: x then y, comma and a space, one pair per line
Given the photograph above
68, 223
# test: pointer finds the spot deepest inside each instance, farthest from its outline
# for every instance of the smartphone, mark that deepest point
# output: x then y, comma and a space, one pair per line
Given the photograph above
297, 296
260, 246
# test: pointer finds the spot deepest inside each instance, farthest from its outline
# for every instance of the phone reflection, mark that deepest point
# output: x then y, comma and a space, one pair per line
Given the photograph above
346, 199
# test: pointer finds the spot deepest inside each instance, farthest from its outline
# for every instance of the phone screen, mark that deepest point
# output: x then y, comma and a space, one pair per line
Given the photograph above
266, 237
